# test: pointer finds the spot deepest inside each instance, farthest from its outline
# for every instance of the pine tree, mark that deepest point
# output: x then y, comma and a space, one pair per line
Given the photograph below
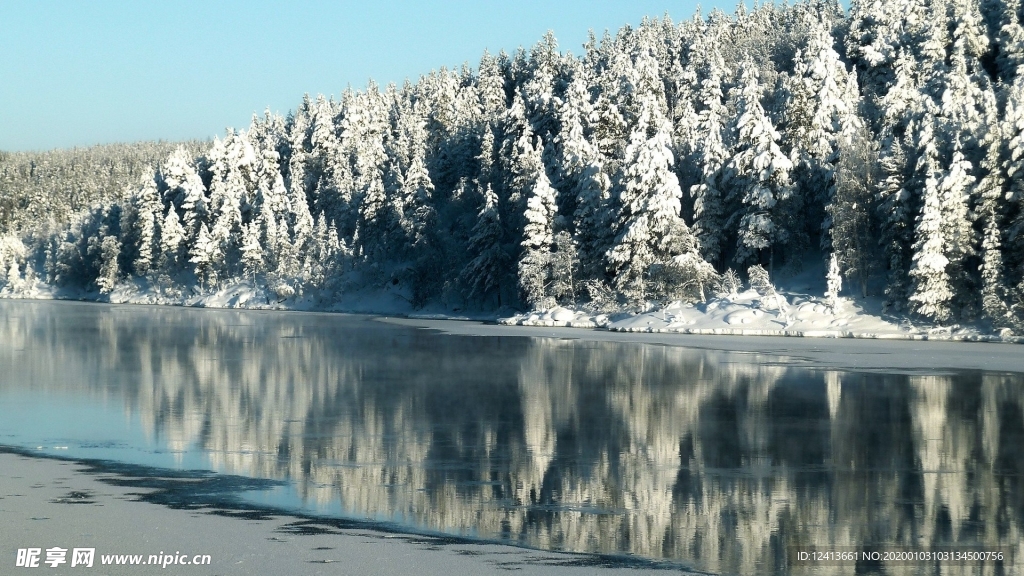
13, 276
490, 262
649, 229
110, 251
991, 191
819, 108
993, 287
232, 161
538, 240
203, 254
957, 231
1010, 41
759, 173
1013, 127
371, 212
709, 194
300, 218
252, 252
565, 269
853, 227
895, 214
289, 264
184, 188
575, 114
172, 238
931, 293
582, 169
491, 87
147, 214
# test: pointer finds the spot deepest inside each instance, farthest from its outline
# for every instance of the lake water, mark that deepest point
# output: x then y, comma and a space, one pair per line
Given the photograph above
726, 462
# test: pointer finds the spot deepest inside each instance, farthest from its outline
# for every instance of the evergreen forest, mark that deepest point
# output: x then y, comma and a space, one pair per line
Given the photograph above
655, 164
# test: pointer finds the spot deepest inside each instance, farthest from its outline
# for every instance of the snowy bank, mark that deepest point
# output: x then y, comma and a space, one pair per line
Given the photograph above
750, 313
790, 313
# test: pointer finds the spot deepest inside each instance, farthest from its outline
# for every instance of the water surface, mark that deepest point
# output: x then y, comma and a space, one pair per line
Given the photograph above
726, 462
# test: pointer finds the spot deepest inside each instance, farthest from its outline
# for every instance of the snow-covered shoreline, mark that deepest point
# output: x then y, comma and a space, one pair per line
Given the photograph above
751, 314
792, 314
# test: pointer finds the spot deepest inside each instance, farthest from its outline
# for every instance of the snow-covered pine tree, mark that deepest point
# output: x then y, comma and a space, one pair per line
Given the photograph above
534, 265
878, 32
363, 122
371, 217
539, 88
410, 197
322, 251
172, 238
931, 292
932, 50
110, 270
231, 167
967, 88
565, 265
300, 219
13, 279
270, 241
489, 265
184, 189
515, 175
958, 234
649, 229
993, 286
147, 209
903, 101
575, 113
970, 33
582, 173
990, 193
818, 108
289, 259
269, 184
853, 227
1010, 40
1013, 129
418, 191
709, 206
205, 251
326, 169
491, 88
252, 252
296, 157
758, 173
896, 209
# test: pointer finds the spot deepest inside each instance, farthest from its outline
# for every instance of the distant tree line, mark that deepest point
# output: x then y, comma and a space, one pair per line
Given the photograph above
56, 185
887, 140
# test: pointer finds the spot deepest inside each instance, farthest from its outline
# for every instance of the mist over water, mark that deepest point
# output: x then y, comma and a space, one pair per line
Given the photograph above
722, 461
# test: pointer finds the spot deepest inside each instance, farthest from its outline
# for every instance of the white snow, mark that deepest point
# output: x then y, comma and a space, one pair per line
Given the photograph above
795, 311
751, 314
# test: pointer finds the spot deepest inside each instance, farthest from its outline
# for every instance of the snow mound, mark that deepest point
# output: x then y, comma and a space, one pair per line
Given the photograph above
752, 314
557, 316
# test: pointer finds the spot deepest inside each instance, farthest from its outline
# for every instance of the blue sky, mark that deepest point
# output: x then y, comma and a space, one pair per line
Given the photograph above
75, 73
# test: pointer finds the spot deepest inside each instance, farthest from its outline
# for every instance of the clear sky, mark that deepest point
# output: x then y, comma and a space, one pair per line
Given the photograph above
82, 72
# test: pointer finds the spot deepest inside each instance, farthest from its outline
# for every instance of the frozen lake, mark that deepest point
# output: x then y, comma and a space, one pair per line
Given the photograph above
723, 461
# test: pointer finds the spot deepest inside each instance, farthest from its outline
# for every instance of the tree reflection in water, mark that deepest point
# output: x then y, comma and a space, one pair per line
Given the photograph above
722, 460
